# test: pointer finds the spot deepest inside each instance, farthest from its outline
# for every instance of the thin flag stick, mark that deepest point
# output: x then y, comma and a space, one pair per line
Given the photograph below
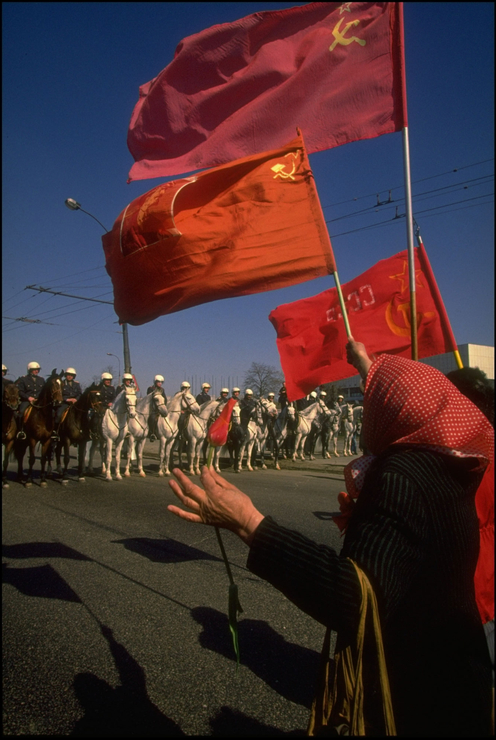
410, 245
341, 303
408, 198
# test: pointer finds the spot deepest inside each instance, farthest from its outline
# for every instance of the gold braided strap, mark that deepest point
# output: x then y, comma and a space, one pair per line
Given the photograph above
343, 708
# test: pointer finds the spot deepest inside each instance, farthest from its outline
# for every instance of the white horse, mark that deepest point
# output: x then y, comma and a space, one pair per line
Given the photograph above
138, 428
269, 415
349, 425
195, 433
285, 417
333, 426
305, 418
167, 426
114, 430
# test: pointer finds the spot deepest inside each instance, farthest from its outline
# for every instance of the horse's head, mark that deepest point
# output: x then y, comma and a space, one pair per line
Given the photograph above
11, 396
131, 401
189, 403
94, 397
325, 410
236, 415
159, 403
51, 393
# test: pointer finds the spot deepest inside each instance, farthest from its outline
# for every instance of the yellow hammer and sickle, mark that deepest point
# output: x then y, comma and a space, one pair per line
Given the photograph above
404, 308
340, 36
279, 168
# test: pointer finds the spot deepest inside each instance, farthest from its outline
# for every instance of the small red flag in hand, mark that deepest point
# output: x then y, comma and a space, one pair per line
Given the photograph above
217, 434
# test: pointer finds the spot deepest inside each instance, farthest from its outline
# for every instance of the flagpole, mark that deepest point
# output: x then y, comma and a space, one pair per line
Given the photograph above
341, 303
410, 245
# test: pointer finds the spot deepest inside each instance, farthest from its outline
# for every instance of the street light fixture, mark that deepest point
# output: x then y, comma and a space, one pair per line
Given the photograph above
73, 205
112, 355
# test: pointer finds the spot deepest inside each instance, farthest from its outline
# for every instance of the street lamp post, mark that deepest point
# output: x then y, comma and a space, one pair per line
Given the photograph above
112, 355
73, 205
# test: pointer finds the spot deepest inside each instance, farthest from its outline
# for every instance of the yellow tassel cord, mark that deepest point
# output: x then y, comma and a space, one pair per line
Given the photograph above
344, 708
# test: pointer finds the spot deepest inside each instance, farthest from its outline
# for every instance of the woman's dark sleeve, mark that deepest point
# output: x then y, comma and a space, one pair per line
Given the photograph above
312, 576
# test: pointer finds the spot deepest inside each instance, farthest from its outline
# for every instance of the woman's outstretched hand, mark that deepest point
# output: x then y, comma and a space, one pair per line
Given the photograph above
218, 503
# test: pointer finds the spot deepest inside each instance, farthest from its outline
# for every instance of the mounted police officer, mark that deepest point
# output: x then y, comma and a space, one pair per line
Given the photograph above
248, 406
183, 419
223, 395
71, 391
127, 382
235, 393
156, 388
5, 381
29, 386
107, 390
283, 395
204, 396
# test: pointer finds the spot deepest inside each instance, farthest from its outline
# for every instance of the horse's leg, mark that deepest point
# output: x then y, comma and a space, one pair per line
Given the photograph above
249, 450
67, 456
45, 451
6, 455
139, 456
81, 457
32, 458
128, 453
106, 465
118, 452
161, 454
296, 445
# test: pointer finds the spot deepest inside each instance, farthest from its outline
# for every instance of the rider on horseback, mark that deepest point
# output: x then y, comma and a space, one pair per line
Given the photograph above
248, 407
29, 386
71, 391
127, 382
183, 419
204, 396
156, 388
5, 381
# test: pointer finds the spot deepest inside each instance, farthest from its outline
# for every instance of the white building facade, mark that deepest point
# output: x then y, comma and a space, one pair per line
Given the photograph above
472, 355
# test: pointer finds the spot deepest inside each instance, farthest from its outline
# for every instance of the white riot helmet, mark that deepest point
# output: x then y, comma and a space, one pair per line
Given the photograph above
323, 393
206, 385
33, 366
270, 395
71, 371
127, 376
248, 392
225, 390
106, 376
4, 368
313, 394
340, 397
159, 378
185, 385
236, 390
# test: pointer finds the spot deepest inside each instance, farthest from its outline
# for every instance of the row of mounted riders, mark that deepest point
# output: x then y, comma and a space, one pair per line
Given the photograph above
178, 423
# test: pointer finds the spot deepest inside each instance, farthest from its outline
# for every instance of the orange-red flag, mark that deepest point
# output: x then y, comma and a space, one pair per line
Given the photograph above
311, 336
252, 225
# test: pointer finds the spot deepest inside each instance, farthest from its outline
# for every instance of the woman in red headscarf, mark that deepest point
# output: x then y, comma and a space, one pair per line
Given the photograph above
413, 531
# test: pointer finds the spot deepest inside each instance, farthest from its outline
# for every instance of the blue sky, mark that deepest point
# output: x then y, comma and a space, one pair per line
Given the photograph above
71, 74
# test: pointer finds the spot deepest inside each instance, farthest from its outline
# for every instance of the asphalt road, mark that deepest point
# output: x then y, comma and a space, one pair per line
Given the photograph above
114, 612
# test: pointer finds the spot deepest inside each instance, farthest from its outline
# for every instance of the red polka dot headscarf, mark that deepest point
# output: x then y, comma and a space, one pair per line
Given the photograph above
407, 402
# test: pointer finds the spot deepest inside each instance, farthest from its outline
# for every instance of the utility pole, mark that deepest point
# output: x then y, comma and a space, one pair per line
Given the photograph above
73, 205
127, 356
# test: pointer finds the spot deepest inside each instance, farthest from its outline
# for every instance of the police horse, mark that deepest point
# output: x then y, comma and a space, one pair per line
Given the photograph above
138, 426
349, 427
283, 423
167, 426
38, 426
317, 410
76, 428
114, 429
235, 438
10, 404
330, 430
195, 433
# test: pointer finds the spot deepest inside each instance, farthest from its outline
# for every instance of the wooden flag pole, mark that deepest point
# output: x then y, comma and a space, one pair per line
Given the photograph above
341, 303
410, 245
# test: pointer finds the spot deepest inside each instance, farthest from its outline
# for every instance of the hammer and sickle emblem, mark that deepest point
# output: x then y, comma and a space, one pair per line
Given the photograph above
279, 168
339, 36
404, 331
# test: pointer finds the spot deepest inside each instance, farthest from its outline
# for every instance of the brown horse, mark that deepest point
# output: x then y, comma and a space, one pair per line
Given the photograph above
10, 404
38, 427
76, 428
